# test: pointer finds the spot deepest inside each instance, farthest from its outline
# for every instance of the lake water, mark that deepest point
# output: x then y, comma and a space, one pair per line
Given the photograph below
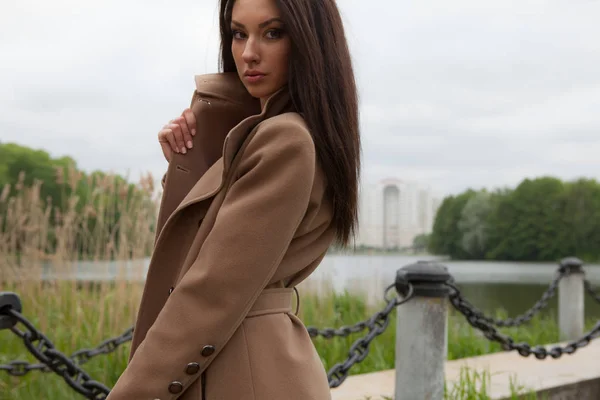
489, 285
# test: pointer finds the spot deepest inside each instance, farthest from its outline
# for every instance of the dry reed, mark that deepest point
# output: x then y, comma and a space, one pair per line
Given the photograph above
98, 240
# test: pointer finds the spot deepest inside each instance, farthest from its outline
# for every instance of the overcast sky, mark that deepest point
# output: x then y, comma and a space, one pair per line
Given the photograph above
454, 94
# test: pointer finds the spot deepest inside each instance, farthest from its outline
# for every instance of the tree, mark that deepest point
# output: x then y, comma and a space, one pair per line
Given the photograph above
69, 208
446, 237
581, 219
542, 219
527, 223
474, 224
421, 242
441, 236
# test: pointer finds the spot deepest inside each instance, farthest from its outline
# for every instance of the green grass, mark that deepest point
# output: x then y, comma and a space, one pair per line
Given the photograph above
463, 340
474, 384
75, 318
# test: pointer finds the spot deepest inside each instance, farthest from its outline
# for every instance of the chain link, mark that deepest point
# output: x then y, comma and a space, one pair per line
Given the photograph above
360, 348
474, 317
342, 331
80, 357
68, 367
53, 360
43, 349
106, 347
526, 316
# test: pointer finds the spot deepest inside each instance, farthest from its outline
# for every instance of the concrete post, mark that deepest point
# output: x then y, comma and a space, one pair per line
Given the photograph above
571, 311
421, 332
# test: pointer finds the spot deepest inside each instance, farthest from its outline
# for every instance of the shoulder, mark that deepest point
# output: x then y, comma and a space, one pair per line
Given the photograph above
279, 143
284, 131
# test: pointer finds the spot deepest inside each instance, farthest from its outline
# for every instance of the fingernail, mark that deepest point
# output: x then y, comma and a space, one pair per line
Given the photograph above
177, 151
189, 144
183, 150
193, 131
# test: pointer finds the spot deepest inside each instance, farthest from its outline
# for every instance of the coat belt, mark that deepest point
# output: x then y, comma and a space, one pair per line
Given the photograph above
272, 301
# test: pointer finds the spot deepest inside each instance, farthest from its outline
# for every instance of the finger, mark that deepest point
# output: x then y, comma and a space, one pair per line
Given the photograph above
166, 150
166, 135
190, 118
187, 136
178, 136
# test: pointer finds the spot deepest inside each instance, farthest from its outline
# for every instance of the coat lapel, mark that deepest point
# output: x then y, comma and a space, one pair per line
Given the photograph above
219, 103
278, 103
207, 186
213, 180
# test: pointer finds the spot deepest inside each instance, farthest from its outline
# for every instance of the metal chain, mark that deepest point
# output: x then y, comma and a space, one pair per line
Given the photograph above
527, 315
22, 368
80, 357
360, 348
588, 288
106, 347
342, 331
68, 367
473, 316
58, 362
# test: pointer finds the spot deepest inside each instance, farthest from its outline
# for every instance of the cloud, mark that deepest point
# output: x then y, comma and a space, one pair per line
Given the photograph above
454, 95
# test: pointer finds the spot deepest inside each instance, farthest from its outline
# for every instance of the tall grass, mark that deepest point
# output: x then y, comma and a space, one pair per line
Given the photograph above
81, 317
76, 315
101, 217
474, 384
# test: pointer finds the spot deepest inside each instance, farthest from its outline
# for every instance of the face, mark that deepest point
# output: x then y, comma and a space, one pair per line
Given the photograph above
260, 47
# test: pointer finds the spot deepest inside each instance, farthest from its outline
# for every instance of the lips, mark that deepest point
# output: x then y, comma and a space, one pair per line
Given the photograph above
253, 76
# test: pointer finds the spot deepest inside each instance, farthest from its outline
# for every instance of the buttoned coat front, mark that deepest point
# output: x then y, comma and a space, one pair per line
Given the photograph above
216, 320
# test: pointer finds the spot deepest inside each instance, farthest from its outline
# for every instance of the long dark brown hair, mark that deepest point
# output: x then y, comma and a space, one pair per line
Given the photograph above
323, 89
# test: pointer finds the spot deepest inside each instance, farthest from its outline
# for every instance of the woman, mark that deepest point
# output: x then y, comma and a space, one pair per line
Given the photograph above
284, 189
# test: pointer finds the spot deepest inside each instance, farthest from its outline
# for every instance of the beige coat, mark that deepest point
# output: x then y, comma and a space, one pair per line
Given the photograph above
216, 319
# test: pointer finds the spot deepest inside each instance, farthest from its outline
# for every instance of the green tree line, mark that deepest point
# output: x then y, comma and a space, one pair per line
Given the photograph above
542, 219
54, 199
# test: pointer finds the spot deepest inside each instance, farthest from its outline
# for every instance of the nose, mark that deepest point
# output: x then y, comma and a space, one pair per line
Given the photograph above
251, 51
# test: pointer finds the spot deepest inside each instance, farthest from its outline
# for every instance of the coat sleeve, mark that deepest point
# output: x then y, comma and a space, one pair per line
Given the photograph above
252, 231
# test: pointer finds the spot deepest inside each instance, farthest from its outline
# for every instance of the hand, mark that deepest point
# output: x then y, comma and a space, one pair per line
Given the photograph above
176, 136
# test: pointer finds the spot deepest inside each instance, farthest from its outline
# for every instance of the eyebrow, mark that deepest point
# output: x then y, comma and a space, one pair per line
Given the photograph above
261, 25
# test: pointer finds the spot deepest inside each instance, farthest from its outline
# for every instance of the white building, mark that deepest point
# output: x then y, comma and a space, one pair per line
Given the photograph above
392, 212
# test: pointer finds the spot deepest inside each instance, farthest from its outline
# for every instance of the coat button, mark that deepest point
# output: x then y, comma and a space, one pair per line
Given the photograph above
192, 368
175, 387
208, 350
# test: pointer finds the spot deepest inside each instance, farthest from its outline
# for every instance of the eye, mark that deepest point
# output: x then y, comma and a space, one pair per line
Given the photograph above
236, 34
274, 33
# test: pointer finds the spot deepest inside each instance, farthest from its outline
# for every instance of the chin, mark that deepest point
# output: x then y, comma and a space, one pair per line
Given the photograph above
259, 92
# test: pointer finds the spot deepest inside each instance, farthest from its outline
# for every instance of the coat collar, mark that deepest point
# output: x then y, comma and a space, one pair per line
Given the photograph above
276, 104
212, 181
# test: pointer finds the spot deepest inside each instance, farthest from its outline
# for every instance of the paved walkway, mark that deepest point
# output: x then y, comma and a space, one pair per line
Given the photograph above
577, 374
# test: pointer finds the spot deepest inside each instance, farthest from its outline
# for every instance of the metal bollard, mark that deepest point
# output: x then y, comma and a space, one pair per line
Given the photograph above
571, 300
9, 300
422, 332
